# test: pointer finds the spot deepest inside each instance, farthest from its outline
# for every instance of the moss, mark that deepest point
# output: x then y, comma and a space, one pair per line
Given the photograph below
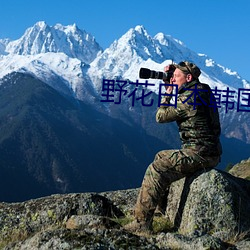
51, 214
34, 216
123, 220
162, 224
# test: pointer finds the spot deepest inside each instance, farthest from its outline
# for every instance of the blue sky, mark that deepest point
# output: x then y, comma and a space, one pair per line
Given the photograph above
218, 28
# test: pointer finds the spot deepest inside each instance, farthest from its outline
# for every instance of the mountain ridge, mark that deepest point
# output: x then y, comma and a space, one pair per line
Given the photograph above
135, 49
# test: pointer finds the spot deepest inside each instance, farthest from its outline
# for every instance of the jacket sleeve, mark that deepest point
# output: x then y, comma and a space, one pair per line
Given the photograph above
166, 114
171, 113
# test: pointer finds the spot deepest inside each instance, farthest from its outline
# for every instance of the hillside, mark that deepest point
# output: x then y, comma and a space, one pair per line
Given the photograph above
50, 143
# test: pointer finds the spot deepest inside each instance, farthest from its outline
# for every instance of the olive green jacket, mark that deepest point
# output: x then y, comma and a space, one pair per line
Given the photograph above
197, 119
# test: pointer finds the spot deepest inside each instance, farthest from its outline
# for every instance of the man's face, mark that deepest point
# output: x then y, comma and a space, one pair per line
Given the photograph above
179, 78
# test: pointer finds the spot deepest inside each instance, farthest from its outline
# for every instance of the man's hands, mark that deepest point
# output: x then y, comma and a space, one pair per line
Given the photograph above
168, 88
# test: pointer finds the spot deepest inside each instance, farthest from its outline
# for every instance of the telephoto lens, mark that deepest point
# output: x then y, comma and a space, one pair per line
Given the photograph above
147, 73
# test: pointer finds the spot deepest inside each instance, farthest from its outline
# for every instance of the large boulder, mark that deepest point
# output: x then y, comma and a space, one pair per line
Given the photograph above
210, 202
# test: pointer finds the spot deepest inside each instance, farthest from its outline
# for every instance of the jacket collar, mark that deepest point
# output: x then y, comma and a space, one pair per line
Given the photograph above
187, 85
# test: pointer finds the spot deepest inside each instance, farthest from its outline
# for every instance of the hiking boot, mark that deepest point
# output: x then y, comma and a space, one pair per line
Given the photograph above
140, 227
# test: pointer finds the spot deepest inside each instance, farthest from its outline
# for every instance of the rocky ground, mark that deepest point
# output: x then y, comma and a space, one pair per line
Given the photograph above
208, 211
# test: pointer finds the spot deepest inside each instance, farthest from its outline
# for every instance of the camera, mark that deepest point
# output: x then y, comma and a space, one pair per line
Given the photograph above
146, 73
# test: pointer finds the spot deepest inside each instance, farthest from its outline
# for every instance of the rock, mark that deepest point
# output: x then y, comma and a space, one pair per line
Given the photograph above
209, 210
243, 245
20, 220
90, 221
123, 199
178, 241
63, 239
212, 202
241, 169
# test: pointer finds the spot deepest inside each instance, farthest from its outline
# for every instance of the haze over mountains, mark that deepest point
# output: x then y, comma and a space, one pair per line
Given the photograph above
57, 136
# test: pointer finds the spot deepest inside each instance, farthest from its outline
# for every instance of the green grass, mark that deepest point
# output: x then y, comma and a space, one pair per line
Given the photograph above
160, 223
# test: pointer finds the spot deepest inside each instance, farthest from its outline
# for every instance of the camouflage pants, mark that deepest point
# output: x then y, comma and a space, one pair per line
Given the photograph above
167, 167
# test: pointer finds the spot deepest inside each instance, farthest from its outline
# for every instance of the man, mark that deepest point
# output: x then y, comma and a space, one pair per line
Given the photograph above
199, 130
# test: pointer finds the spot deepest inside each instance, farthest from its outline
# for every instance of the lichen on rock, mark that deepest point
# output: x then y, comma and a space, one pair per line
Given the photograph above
211, 202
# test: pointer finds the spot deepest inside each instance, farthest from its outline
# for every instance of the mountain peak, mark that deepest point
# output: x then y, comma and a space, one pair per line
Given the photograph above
139, 42
126, 53
140, 29
42, 38
41, 24
166, 40
69, 28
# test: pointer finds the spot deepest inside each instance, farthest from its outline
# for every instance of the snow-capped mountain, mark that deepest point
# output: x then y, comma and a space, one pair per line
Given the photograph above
57, 55
137, 49
75, 57
63, 73
70, 40
71, 61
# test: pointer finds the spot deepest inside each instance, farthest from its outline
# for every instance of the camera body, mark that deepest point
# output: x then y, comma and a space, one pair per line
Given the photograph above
146, 73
